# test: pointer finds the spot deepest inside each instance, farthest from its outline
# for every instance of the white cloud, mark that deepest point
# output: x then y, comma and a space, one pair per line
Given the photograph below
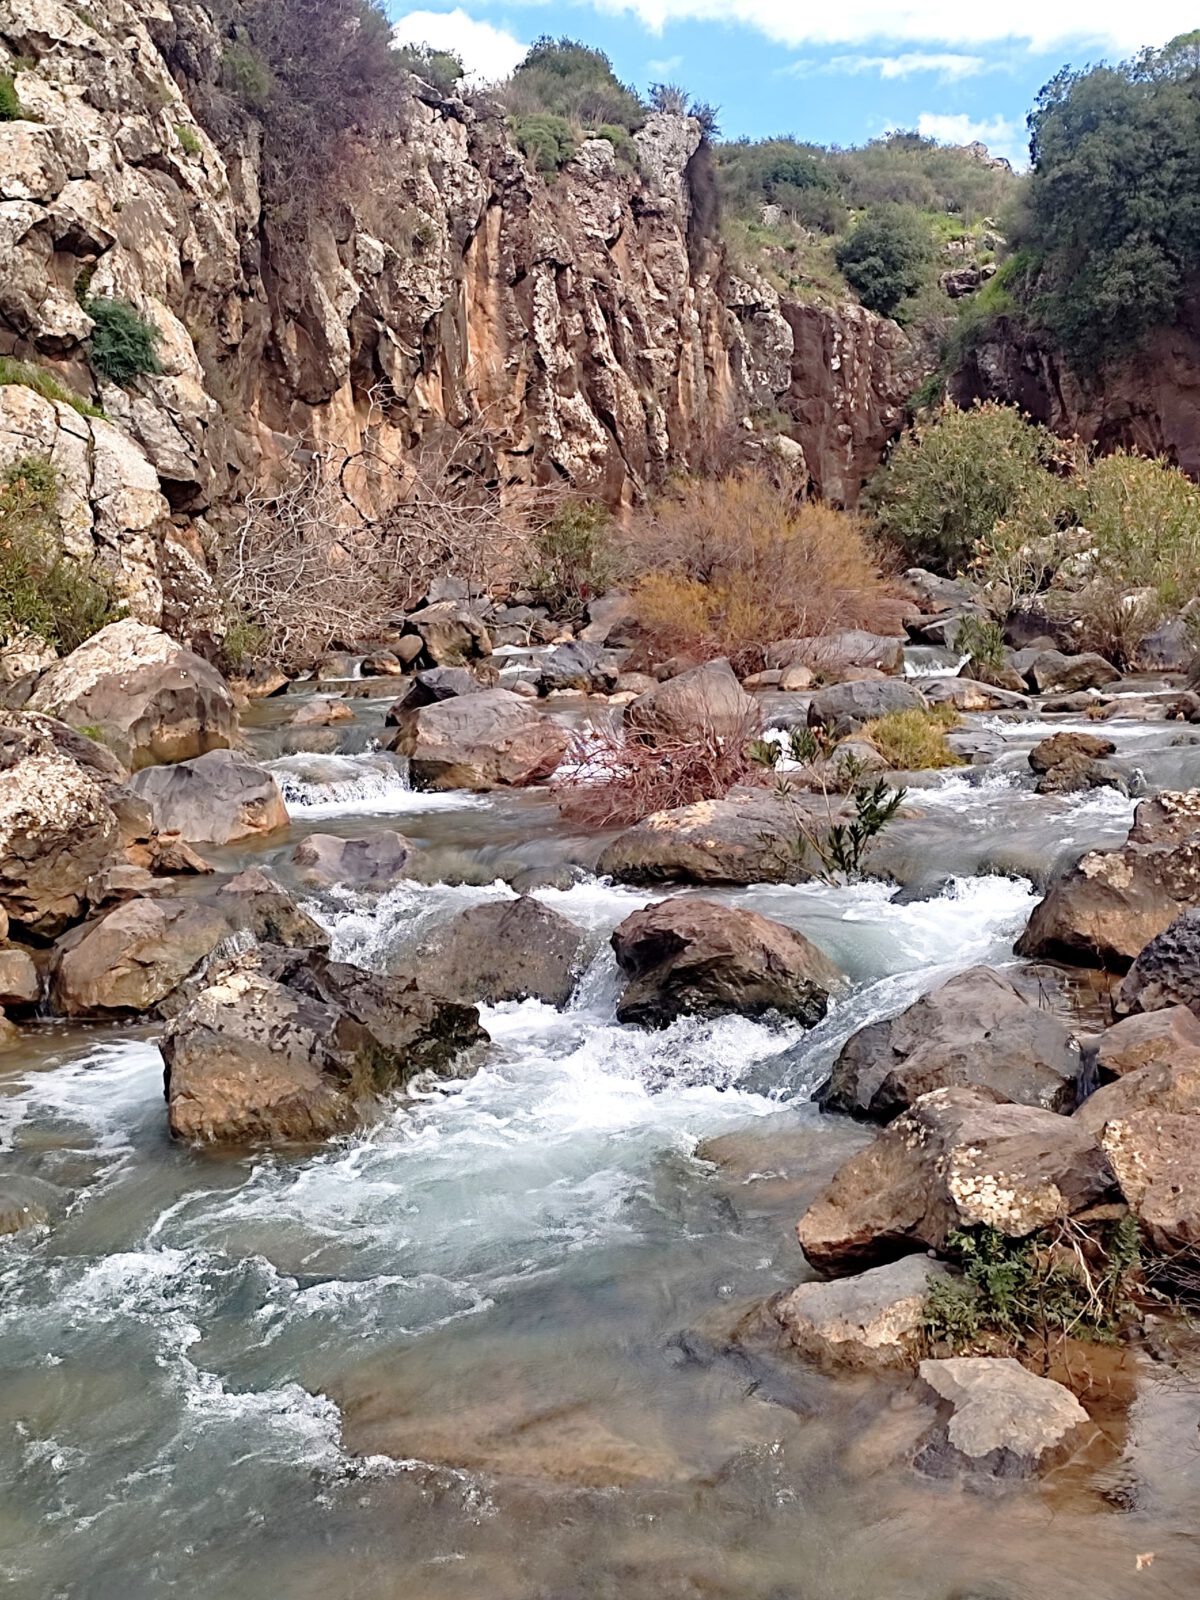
1003, 135
1105, 26
488, 53
947, 64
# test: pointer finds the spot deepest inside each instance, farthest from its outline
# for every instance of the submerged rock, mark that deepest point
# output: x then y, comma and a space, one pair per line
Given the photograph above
27, 1203
150, 699
505, 950
481, 741
976, 1029
219, 798
1002, 1422
693, 957
872, 1320
957, 1159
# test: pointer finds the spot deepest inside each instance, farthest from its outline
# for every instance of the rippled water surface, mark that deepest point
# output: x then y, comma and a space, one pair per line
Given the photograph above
476, 1350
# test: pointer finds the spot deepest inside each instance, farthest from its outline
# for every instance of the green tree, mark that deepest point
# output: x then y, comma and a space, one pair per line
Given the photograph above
564, 78
885, 257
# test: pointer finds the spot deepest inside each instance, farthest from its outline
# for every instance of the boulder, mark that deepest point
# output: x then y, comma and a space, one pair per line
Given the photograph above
703, 702
504, 950
451, 633
1166, 972
1051, 672
256, 905
296, 1048
1171, 1086
20, 986
976, 1029
150, 699
322, 711
610, 619
873, 1320
27, 1202
845, 707
430, 686
999, 1419
1167, 648
481, 741
1142, 1039
1065, 746
958, 1158
693, 957
751, 836
1156, 1157
578, 665
373, 861
218, 798
1109, 906
132, 959
970, 694
834, 652
1079, 773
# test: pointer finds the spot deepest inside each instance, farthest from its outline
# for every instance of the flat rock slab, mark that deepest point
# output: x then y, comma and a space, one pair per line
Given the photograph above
1004, 1422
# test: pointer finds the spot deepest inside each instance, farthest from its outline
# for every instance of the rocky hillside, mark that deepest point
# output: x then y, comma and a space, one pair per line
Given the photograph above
585, 328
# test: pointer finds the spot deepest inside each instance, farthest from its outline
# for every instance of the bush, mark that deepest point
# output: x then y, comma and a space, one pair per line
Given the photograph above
567, 79
622, 142
730, 564
885, 257
189, 143
953, 477
443, 69
914, 740
44, 383
548, 140
11, 109
982, 642
572, 558
123, 344
43, 592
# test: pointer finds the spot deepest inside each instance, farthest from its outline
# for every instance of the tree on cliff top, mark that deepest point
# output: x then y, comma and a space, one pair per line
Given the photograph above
568, 79
1113, 212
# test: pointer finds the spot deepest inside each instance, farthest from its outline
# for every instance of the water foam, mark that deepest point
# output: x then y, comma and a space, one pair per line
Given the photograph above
366, 785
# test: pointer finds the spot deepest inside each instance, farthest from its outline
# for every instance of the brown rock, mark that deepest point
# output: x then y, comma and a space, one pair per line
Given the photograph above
373, 861
1061, 746
20, 986
451, 633
57, 833
1167, 970
1156, 1157
1141, 1040
131, 960
707, 700
219, 798
322, 711
873, 1320
480, 741
1167, 1086
693, 957
506, 950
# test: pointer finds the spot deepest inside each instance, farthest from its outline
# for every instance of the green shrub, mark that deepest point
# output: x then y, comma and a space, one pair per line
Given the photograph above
187, 139
244, 642
572, 557
914, 740
42, 591
622, 142
123, 343
11, 109
953, 477
564, 78
244, 71
885, 257
982, 642
44, 383
546, 139
442, 69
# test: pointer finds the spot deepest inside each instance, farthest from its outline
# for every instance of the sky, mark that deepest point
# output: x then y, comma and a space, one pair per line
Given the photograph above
833, 73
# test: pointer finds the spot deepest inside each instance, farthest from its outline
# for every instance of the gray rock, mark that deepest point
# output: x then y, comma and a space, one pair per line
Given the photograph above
846, 706
1003, 1421
872, 1320
705, 700
1167, 969
219, 798
373, 861
1051, 672
27, 1203
480, 741
430, 686
578, 665
507, 950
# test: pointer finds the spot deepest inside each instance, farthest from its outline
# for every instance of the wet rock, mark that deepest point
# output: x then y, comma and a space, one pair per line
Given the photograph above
297, 1048
20, 987
703, 701
872, 1320
1051, 672
751, 836
27, 1203
845, 707
373, 861
1167, 970
506, 950
151, 699
1077, 774
1155, 1154
336, 667
451, 633
322, 711
430, 686
1108, 907
1064, 746
1002, 1422
974, 1030
481, 741
133, 958
693, 957
1139, 1040
255, 904
219, 798
958, 1158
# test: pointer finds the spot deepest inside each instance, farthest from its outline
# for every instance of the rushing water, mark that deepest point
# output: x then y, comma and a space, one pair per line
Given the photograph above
474, 1350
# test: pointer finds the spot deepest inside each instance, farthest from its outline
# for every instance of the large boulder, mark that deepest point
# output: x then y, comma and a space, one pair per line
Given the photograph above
430, 686
149, 699
845, 707
218, 798
693, 957
835, 652
1067, 763
974, 1029
1167, 970
1161, 1086
1155, 1154
1110, 905
705, 702
481, 741
1142, 1039
20, 986
296, 1047
374, 861
504, 950
999, 1420
873, 1320
751, 836
135, 957
451, 633
959, 1158
1051, 672
1060, 747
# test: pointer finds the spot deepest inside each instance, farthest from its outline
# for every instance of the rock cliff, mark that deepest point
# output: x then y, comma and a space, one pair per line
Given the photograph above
583, 328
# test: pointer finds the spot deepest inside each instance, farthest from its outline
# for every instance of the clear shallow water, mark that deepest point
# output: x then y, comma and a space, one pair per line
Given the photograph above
463, 1353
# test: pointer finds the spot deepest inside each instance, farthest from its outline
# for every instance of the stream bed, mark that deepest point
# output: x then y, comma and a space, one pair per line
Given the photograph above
479, 1349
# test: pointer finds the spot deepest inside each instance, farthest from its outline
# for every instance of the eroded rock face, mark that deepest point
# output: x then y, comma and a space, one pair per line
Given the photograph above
508, 950
150, 699
974, 1030
218, 798
693, 957
294, 1047
482, 741
957, 1159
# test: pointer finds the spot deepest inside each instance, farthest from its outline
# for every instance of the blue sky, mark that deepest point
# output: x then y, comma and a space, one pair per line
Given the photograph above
835, 73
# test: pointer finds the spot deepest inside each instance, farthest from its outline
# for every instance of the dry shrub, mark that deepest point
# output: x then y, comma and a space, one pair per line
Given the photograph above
609, 782
739, 561
915, 740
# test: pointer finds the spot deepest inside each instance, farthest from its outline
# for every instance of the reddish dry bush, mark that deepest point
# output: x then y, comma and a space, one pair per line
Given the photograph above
738, 562
609, 782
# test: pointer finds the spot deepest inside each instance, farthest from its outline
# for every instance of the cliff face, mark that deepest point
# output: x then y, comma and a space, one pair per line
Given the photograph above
582, 329
1150, 404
